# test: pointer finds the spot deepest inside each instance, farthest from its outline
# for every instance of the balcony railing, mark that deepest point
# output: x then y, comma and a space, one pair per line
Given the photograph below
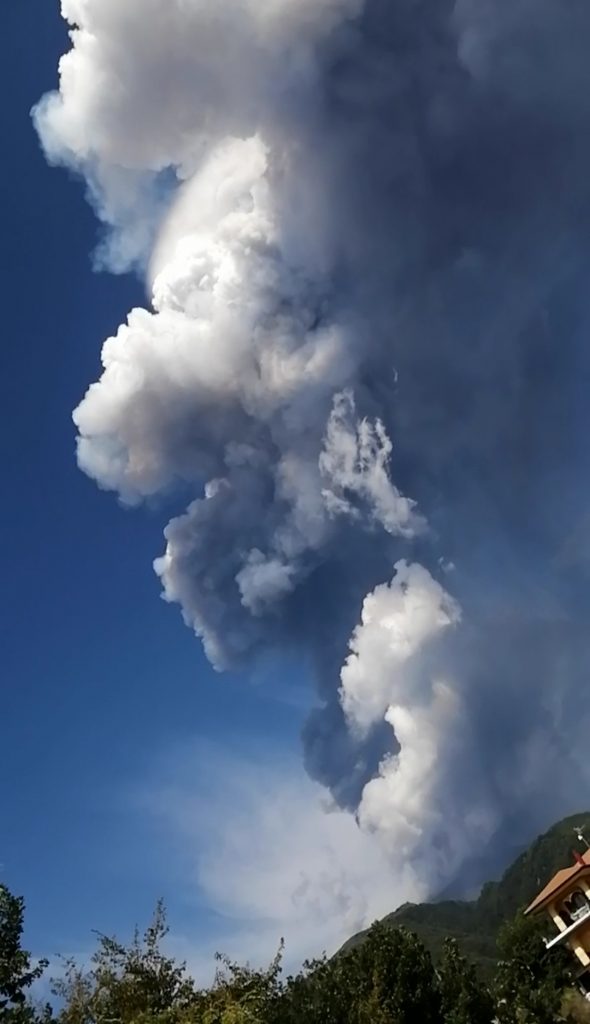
576, 917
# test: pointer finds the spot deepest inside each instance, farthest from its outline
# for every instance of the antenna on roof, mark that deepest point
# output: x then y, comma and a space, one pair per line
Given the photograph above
579, 830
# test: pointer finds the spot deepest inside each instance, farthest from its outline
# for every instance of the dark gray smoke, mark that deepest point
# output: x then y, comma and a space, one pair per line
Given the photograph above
367, 361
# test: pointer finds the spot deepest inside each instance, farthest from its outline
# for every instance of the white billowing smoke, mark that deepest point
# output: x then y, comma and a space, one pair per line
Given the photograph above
293, 175
269, 857
232, 337
355, 463
384, 679
228, 385
145, 89
397, 621
239, 380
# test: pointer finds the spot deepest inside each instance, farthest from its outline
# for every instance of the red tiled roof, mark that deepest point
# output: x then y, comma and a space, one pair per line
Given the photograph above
558, 882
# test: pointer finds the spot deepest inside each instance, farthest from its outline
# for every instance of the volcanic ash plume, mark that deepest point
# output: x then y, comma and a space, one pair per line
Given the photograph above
365, 231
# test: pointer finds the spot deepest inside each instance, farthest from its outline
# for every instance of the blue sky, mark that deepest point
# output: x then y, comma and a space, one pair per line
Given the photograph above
100, 678
129, 769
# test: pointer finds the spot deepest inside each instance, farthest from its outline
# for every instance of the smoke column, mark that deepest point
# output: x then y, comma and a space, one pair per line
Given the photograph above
365, 230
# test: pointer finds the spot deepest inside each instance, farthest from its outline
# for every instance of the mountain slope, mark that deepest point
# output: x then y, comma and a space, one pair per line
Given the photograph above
476, 924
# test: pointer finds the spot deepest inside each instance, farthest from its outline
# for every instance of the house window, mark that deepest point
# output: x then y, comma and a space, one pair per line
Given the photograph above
565, 914
575, 907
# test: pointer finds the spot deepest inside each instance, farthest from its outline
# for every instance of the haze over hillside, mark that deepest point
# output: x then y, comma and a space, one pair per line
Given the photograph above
475, 924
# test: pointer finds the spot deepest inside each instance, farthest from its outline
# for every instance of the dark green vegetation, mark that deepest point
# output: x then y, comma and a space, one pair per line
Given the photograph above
17, 974
386, 976
476, 925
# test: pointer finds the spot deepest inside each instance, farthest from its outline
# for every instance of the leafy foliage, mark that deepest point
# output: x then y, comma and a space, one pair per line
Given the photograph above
134, 984
575, 1008
16, 971
530, 980
390, 979
385, 976
241, 995
464, 999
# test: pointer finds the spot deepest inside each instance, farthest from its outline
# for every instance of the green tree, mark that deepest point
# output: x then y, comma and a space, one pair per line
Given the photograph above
134, 984
575, 1009
464, 999
17, 974
241, 995
387, 979
324, 992
396, 978
530, 980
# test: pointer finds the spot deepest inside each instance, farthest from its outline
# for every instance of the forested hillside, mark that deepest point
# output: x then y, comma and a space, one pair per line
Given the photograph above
476, 924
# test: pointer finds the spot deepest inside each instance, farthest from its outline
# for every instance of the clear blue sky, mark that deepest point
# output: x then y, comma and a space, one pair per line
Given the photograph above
100, 677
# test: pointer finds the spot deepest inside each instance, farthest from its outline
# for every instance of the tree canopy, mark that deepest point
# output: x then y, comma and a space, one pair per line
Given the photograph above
17, 971
389, 978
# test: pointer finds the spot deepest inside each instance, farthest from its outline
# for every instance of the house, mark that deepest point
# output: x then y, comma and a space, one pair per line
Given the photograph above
566, 899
